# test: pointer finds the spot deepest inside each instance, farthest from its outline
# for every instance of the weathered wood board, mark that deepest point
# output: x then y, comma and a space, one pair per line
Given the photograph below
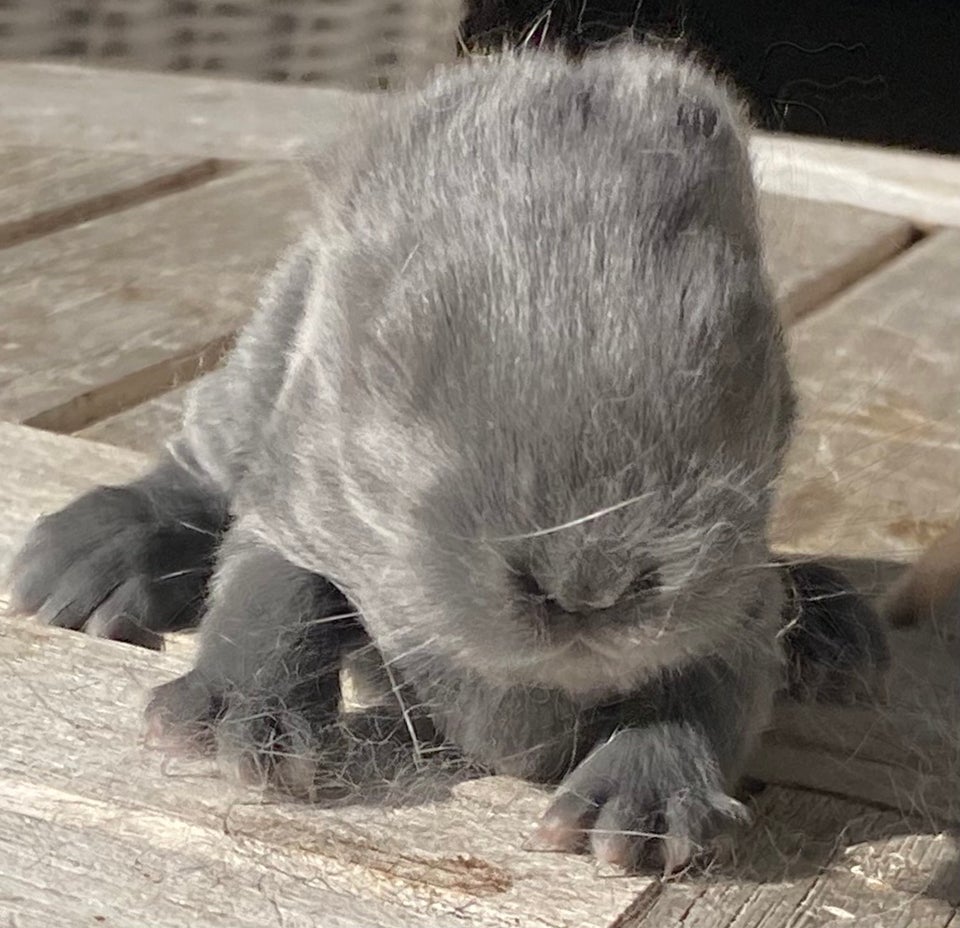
43, 190
919, 186
875, 468
73, 762
171, 834
875, 472
91, 109
145, 427
814, 250
99, 317
97, 824
796, 868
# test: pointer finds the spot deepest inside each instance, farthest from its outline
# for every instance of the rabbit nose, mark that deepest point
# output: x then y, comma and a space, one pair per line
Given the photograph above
587, 592
580, 600
589, 584
563, 603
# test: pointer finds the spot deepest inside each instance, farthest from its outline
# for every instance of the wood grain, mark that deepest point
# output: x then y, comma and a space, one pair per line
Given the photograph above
145, 427
102, 316
98, 109
815, 860
814, 250
875, 472
73, 763
45, 190
921, 187
875, 468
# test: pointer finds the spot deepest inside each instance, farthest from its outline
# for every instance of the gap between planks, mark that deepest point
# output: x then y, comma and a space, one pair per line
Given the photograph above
120, 396
140, 299
49, 221
822, 292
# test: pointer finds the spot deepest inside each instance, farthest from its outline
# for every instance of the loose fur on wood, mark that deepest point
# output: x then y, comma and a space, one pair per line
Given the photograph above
509, 418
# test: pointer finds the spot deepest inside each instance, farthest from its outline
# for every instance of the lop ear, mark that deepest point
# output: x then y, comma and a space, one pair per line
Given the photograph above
379, 122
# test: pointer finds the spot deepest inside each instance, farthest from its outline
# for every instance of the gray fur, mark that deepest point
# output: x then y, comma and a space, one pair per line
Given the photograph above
521, 395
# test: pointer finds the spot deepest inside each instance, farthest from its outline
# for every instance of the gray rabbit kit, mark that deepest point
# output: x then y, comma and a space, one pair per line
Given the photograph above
520, 398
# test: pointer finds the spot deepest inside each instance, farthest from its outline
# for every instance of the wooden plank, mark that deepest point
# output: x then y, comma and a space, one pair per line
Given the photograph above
99, 317
903, 754
875, 468
67, 861
875, 472
921, 187
145, 428
127, 808
812, 860
807, 264
814, 250
72, 761
45, 190
98, 109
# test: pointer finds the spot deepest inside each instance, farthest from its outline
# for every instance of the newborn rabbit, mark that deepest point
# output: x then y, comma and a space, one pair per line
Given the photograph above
520, 398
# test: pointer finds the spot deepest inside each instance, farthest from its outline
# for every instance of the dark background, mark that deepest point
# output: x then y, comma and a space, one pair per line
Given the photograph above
881, 71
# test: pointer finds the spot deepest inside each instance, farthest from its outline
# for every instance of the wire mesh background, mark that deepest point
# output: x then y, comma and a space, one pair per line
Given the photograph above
351, 43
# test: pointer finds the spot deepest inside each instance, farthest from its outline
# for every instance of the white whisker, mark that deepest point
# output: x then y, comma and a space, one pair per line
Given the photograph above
599, 513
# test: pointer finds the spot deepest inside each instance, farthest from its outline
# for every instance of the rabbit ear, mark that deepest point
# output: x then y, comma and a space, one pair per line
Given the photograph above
332, 166
375, 122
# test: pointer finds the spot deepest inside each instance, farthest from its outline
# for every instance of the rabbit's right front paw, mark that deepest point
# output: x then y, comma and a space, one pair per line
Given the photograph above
110, 565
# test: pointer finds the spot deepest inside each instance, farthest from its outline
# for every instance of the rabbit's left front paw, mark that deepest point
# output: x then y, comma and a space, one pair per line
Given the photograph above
647, 795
